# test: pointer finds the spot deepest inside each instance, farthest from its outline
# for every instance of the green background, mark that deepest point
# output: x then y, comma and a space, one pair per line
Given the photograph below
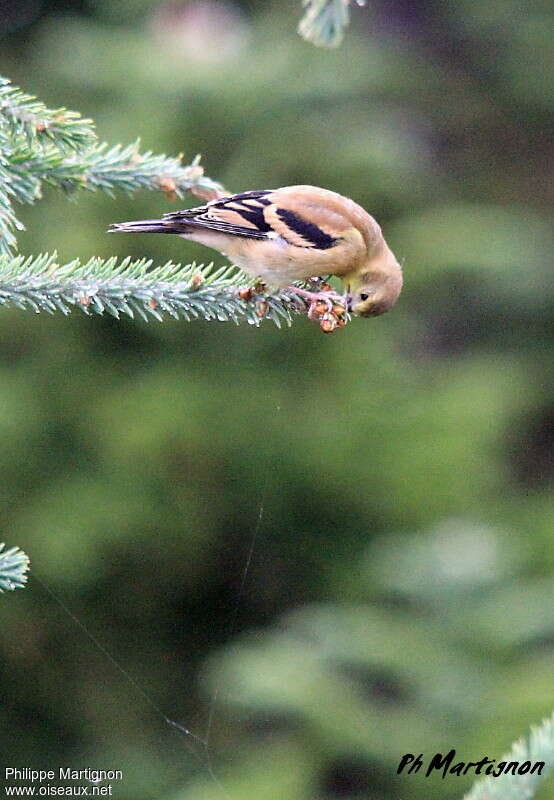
399, 596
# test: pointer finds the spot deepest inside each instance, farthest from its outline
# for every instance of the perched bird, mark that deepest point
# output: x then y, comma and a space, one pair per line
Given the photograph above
292, 234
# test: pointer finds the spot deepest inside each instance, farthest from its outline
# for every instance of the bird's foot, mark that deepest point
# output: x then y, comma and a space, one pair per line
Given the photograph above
326, 305
322, 302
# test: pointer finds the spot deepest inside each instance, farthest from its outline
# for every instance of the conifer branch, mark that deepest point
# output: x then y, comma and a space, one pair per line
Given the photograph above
57, 147
538, 747
8, 220
134, 288
325, 21
23, 172
25, 116
13, 568
106, 169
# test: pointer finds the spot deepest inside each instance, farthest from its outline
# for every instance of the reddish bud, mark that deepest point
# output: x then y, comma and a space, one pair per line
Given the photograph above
321, 307
168, 187
328, 324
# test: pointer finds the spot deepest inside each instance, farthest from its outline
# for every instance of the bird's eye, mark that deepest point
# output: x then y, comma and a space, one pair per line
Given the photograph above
364, 296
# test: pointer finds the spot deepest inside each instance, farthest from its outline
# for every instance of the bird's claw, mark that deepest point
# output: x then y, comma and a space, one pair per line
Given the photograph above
327, 306
322, 303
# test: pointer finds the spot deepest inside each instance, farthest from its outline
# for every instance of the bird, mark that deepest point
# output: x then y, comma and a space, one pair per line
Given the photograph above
296, 233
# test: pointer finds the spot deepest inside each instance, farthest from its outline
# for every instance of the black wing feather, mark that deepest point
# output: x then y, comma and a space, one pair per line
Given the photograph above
249, 206
312, 233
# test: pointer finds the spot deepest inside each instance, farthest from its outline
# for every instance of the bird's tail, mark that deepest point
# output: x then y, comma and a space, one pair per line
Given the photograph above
143, 226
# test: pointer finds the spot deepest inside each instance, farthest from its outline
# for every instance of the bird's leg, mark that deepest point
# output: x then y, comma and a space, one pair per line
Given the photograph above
322, 302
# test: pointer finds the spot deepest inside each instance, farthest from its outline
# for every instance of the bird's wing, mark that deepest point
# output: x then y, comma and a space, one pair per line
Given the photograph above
270, 214
309, 216
304, 224
238, 215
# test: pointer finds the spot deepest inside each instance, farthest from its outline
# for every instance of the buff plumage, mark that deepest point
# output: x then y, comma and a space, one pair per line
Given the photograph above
291, 234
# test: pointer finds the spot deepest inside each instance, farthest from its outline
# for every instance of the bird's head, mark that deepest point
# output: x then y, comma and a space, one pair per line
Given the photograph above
374, 289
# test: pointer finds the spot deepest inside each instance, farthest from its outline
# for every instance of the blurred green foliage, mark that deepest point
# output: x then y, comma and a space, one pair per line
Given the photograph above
399, 597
